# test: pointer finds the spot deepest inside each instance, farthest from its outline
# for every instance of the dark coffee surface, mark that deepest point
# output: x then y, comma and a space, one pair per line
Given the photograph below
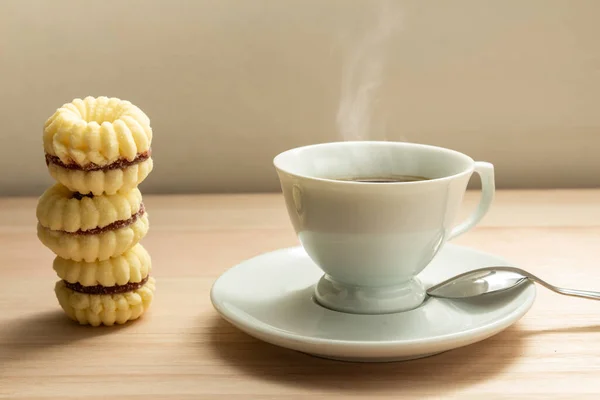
385, 179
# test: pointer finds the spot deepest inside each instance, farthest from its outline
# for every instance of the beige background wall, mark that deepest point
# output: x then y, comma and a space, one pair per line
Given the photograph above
230, 83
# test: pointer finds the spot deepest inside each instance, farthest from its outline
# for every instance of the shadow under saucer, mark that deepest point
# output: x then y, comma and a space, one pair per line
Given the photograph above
446, 371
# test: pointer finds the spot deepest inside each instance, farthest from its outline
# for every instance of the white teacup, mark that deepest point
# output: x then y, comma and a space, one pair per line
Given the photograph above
373, 239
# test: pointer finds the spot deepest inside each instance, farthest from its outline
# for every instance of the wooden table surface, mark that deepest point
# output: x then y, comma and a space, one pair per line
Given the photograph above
181, 349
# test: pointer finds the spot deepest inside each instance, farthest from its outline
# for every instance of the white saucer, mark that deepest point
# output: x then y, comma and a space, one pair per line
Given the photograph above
270, 297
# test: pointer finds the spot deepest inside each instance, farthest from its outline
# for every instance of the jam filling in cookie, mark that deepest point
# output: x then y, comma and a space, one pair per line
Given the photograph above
112, 226
99, 289
118, 164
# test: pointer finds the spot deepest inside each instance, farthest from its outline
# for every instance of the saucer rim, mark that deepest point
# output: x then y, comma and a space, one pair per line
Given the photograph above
268, 331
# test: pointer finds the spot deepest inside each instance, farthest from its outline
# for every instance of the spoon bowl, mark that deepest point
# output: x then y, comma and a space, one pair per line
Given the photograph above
488, 280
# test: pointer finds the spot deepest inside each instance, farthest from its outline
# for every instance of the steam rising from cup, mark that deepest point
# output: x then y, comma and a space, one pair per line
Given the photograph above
362, 76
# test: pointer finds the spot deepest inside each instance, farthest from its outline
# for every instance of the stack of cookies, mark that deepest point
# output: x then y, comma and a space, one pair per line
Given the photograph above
98, 151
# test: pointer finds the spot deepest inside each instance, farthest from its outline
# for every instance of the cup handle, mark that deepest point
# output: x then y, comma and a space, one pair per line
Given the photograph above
488, 187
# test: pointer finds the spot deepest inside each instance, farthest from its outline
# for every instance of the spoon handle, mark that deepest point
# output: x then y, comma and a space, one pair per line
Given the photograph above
586, 294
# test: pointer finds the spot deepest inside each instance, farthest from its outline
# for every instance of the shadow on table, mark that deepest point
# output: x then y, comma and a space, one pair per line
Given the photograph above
445, 372
37, 332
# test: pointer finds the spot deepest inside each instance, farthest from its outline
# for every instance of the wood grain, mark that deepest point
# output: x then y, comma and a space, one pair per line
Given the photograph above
182, 350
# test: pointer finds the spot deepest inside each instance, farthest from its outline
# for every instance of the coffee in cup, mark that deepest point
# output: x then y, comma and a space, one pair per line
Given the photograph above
385, 179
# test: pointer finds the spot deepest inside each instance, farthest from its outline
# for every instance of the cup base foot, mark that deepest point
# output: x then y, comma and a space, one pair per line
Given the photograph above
369, 300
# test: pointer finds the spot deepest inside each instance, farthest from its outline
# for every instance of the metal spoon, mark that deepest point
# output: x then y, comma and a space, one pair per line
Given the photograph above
487, 280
